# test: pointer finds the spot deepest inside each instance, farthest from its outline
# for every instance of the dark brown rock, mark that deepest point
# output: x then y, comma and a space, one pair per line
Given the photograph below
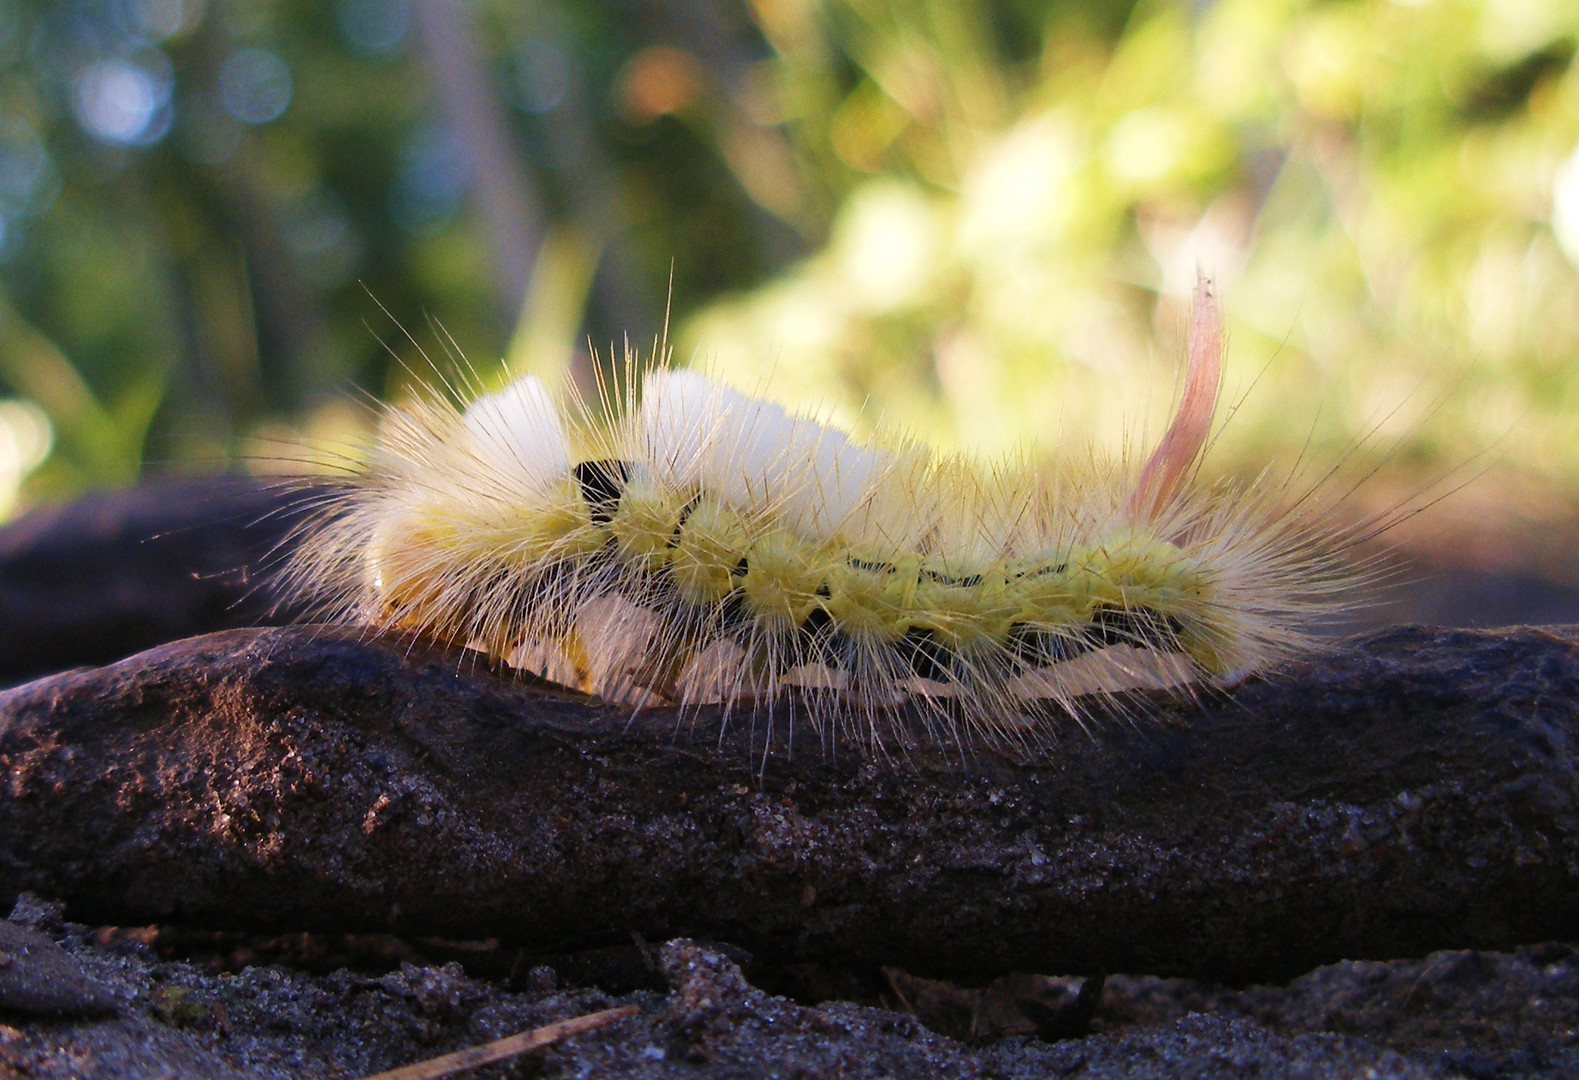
1047, 1007
1415, 792
120, 571
37, 976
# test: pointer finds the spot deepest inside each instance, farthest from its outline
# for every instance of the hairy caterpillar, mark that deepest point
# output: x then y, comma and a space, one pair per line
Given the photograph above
708, 547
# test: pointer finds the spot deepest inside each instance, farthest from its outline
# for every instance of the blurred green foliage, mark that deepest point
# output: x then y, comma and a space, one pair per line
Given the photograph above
980, 220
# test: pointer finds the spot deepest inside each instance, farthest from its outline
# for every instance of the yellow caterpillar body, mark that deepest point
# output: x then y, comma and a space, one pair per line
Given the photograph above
709, 547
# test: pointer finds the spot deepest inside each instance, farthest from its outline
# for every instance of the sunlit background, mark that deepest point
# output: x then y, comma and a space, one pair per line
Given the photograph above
218, 219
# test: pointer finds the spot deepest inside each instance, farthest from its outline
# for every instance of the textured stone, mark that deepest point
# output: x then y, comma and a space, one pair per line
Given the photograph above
1413, 792
708, 1021
37, 976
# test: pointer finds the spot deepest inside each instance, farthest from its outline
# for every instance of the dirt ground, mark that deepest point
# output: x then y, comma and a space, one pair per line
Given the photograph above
102, 1004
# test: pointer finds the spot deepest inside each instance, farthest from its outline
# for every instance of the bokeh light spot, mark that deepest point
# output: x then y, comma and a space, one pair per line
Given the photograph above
1565, 206
657, 81
122, 103
255, 86
1145, 146
373, 26
434, 170
26, 437
887, 240
158, 20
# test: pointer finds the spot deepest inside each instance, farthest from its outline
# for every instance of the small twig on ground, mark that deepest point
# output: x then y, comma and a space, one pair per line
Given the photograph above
475, 1057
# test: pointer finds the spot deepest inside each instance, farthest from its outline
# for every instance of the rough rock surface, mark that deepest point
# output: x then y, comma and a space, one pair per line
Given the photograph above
1414, 792
1450, 1015
36, 976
